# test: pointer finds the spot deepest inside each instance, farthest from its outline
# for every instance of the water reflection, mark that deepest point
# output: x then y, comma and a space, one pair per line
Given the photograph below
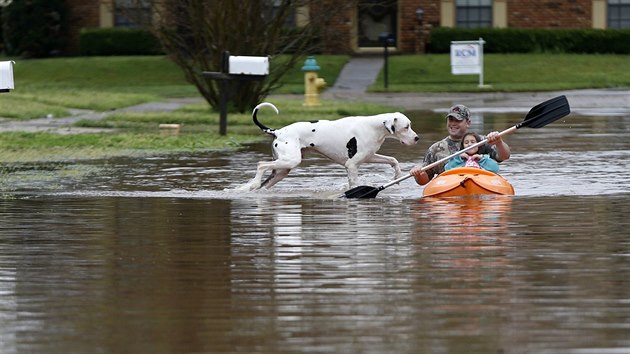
161, 255
467, 244
297, 274
326, 269
462, 215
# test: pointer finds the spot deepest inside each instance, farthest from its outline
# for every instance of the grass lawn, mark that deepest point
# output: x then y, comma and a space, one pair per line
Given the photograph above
104, 83
56, 86
137, 133
507, 72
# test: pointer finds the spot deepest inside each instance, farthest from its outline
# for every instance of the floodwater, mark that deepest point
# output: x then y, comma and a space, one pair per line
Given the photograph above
163, 255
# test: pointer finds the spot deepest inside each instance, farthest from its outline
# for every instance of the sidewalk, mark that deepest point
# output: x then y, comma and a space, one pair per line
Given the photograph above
63, 125
355, 77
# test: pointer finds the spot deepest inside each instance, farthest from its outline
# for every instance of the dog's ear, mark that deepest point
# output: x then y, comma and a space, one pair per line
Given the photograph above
390, 125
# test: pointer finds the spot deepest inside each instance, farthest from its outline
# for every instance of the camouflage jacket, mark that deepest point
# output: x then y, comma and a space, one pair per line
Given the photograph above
446, 147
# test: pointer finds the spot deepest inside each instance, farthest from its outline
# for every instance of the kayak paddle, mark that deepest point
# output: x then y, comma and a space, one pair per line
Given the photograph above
537, 117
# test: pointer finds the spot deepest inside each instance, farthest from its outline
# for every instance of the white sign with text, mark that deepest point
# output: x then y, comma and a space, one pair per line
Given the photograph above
467, 58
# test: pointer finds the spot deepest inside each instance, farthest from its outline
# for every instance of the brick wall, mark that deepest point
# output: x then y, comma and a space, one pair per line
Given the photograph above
337, 36
340, 24
83, 13
550, 14
336, 25
408, 25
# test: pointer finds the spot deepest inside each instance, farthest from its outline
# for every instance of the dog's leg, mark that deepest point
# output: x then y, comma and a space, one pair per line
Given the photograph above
376, 158
353, 173
271, 175
275, 177
263, 166
289, 157
256, 182
281, 169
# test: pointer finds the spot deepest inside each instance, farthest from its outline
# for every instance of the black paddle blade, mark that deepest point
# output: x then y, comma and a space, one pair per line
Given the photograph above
361, 192
546, 112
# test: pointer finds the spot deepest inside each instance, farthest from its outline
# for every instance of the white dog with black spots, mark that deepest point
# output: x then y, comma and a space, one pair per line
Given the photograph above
349, 141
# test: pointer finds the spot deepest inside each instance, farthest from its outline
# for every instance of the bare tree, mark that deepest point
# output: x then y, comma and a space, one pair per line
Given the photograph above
195, 33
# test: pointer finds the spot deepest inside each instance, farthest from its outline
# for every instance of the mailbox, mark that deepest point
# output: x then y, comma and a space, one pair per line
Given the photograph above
236, 68
6, 76
387, 39
248, 65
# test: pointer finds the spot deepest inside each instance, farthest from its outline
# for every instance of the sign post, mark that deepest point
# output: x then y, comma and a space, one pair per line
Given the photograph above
467, 58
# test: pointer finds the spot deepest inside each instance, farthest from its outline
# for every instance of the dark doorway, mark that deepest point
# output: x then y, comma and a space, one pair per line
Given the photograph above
375, 18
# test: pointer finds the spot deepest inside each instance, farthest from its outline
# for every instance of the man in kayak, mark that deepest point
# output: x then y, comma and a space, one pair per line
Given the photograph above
457, 124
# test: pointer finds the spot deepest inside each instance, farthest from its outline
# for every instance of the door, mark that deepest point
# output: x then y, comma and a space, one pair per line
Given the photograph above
376, 17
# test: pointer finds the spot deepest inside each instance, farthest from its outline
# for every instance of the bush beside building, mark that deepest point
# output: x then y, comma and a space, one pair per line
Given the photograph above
519, 40
118, 41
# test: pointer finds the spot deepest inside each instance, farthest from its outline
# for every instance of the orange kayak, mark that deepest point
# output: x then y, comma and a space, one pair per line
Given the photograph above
467, 181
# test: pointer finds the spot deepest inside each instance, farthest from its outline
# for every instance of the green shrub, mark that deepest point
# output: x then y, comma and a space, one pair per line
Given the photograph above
35, 28
518, 40
118, 41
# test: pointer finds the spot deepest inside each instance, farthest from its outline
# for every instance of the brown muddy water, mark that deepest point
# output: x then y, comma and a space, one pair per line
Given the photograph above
163, 255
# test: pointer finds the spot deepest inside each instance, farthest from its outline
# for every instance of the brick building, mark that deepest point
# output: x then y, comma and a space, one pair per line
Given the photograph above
358, 29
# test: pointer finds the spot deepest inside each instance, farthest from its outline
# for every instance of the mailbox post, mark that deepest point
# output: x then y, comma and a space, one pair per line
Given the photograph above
242, 68
387, 39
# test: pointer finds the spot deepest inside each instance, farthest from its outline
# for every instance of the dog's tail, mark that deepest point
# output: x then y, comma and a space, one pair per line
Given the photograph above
262, 127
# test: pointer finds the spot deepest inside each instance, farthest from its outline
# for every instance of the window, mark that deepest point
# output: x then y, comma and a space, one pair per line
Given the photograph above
618, 13
132, 13
473, 13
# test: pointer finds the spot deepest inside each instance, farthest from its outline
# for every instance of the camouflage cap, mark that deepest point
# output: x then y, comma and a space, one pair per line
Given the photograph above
459, 112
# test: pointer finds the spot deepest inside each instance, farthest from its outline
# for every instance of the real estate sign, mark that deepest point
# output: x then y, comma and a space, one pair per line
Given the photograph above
467, 58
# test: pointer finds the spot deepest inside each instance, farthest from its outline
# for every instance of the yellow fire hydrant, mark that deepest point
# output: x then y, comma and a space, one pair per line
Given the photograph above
312, 83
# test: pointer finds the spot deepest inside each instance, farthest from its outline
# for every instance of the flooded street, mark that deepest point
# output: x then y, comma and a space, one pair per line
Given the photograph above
163, 254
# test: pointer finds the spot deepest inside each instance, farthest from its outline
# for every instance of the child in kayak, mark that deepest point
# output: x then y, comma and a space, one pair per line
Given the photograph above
471, 158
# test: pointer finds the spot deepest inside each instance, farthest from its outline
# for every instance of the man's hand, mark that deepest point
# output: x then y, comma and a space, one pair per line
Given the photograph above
494, 138
419, 175
503, 150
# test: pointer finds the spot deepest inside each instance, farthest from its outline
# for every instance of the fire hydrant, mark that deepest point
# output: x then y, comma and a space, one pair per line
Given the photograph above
312, 83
